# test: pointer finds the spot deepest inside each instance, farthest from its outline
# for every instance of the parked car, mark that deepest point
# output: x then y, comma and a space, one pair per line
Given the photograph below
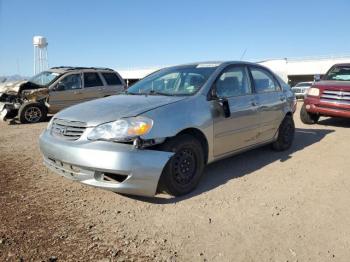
163, 130
329, 97
301, 88
52, 90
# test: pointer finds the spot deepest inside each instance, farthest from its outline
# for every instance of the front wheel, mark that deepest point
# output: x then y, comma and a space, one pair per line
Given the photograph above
32, 113
184, 169
308, 118
285, 134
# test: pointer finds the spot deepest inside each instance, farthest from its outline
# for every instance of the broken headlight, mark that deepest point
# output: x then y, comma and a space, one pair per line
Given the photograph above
50, 124
122, 130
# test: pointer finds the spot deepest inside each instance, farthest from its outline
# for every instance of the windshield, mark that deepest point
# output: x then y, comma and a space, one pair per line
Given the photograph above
340, 73
44, 78
185, 80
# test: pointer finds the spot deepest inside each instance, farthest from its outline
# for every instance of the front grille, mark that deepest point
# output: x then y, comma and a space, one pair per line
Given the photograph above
67, 130
336, 96
297, 90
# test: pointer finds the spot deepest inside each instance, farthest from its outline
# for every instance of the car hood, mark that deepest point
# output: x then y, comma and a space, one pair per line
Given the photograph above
11, 87
333, 85
112, 108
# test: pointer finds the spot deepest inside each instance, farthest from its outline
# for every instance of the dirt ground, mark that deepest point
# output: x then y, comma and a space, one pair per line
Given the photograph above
258, 206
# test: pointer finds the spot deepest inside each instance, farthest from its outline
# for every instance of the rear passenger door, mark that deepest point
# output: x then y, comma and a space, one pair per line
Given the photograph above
93, 86
113, 84
241, 128
270, 99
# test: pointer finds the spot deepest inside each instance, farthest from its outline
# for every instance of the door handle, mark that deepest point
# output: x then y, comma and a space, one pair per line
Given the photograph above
282, 98
77, 92
254, 103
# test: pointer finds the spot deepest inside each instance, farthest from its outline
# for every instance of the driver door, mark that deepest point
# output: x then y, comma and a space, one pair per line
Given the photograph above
67, 92
240, 129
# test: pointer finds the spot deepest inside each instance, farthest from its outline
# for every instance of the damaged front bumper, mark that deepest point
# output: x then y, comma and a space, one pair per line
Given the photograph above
8, 110
113, 166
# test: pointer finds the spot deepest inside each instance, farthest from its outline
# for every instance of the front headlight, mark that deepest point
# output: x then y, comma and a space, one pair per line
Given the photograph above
313, 91
122, 130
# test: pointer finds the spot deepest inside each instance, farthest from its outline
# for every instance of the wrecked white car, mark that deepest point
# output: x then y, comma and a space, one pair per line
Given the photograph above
55, 89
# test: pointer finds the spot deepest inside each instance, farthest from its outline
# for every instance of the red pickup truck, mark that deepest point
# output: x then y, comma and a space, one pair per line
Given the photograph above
328, 97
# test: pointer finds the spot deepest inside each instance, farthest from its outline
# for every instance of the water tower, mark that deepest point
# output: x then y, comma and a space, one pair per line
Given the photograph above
40, 54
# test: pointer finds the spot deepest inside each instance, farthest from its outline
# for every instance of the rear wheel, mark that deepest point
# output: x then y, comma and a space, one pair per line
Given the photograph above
285, 134
308, 118
32, 113
184, 169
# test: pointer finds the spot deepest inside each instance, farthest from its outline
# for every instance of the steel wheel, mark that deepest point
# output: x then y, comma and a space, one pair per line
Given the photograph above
285, 134
184, 166
184, 169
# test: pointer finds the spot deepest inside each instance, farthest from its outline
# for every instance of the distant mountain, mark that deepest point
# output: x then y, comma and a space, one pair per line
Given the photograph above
12, 78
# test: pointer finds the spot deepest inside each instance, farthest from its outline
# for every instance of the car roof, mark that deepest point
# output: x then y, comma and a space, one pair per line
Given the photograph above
217, 63
341, 64
65, 69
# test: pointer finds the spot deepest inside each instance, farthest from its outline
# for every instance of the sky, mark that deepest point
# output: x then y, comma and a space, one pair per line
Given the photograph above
147, 33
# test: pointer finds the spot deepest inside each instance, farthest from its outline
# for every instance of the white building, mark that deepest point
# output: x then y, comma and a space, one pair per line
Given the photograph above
292, 70
303, 69
133, 75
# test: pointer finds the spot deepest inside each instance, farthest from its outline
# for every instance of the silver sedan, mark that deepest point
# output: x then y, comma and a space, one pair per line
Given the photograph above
160, 134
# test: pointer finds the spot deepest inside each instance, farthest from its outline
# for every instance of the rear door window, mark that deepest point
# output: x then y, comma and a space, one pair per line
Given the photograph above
111, 79
233, 81
263, 81
92, 79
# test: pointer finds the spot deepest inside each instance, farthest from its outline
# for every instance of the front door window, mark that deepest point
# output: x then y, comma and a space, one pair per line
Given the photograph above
70, 82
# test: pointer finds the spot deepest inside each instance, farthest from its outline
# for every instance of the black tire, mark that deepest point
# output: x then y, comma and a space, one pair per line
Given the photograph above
286, 133
32, 112
308, 118
184, 169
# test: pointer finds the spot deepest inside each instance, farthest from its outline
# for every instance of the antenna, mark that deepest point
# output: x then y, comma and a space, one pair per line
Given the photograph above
40, 54
243, 54
18, 69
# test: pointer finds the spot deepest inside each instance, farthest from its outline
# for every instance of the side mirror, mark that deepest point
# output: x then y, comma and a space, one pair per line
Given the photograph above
223, 102
317, 78
225, 107
59, 87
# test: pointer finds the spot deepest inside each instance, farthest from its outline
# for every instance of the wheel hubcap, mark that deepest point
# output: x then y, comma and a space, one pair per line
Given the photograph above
32, 114
184, 166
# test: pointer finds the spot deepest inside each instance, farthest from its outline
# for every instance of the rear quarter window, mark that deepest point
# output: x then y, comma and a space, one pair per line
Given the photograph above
112, 79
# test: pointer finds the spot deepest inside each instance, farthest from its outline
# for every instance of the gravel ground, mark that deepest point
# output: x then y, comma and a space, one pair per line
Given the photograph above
258, 206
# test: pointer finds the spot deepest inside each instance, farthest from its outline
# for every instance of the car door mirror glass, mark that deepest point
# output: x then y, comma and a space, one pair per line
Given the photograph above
212, 94
225, 107
317, 78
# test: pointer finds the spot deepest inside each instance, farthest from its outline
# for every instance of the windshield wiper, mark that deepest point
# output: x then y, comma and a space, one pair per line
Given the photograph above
130, 93
153, 92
